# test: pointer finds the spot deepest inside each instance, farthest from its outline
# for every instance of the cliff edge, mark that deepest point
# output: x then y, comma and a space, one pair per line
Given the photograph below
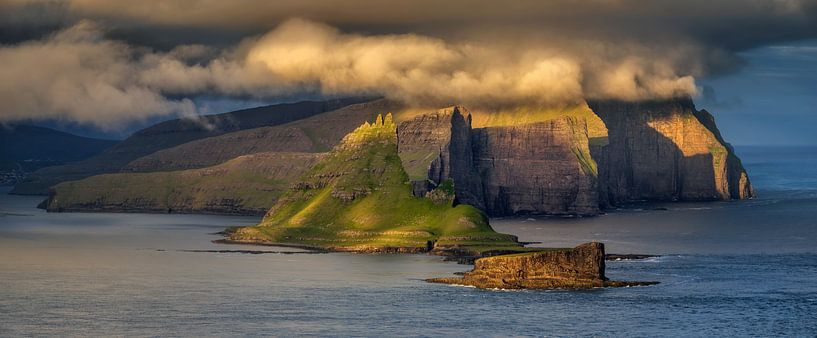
666, 150
358, 198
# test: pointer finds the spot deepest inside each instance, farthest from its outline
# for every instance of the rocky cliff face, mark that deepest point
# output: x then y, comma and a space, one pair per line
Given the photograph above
543, 168
668, 151
567, 160
581, 267
539, 167
436, 147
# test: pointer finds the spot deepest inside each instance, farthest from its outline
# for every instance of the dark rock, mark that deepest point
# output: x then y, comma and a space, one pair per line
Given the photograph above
579, 268
538, 168
666, 151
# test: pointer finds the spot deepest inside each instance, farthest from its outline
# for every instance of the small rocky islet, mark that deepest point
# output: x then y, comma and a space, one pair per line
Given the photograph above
582, 267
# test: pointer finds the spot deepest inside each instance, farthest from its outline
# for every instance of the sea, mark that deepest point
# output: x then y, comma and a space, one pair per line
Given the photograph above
738, 268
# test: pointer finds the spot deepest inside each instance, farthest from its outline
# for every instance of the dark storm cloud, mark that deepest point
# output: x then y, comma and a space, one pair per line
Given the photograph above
114, 54
730, 24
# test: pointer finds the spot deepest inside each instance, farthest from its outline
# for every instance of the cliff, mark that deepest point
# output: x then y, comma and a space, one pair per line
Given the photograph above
436, 147
522, 161
172, 133
542, 168
245, 185
569, 160
358, 198
579, 268
666, 151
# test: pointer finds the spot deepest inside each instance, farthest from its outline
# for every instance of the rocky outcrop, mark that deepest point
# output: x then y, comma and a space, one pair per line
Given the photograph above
542, 168
578, 268
436, 147
666, 151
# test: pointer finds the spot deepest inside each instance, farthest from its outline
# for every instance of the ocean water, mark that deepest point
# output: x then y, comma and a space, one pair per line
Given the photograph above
746, 268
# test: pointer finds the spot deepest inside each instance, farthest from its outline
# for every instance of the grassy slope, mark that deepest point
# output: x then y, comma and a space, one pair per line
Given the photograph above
382, 214
171, 133
526, 115
314, 134
245, 185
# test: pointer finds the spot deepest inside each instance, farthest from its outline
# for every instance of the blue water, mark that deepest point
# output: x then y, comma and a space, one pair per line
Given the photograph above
728, 268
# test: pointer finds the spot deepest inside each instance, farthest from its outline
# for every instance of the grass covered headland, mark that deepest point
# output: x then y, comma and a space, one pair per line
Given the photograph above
358, 198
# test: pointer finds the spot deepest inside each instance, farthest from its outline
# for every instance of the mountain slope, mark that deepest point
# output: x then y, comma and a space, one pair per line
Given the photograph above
314, 134
245, 185
175, 132
28, 148
358, 199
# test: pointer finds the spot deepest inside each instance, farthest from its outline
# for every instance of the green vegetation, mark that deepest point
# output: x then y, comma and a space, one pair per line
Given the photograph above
358, 198
581, 145
416, 163
596, 128
247, 184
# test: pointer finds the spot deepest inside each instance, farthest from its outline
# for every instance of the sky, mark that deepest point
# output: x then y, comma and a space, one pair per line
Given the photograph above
105, 68
772, 100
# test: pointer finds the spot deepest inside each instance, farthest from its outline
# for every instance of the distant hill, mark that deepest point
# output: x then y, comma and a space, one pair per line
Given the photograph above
175, 132
28, 148
245, 185
317, 133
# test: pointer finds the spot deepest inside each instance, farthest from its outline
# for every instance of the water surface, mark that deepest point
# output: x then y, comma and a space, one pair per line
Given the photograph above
729, 268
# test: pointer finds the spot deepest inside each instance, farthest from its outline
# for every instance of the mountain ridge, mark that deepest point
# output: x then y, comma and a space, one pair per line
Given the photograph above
172, 133
577, 160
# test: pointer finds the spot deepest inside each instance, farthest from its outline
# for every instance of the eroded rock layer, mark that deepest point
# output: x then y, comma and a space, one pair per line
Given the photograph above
578, 268
436, 147
666, 151
543, 168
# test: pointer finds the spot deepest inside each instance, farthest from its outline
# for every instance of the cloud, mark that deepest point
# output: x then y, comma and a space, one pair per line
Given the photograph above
143, 59
77, 75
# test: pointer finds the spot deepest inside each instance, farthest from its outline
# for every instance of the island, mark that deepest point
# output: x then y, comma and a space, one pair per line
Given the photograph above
359, 198
581, 267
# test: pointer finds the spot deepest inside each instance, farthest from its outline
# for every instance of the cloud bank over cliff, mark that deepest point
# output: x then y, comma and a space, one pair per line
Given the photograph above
108, 63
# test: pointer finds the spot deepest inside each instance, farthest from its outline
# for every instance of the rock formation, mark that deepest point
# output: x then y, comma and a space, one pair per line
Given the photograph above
540, 167
358, 198
579, 268
666, 151
543, 168
575, 159
436, 147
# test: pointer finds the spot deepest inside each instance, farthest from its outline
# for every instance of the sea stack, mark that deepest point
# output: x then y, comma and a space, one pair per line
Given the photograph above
579, 268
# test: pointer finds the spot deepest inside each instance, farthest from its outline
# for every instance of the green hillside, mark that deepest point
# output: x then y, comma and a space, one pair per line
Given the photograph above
358, 198
245, 185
